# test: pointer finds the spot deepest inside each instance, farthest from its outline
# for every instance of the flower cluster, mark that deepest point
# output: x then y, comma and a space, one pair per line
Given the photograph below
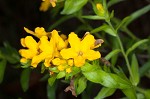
54, 50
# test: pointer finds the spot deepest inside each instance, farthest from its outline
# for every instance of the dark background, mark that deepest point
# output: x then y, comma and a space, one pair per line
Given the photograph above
16, 14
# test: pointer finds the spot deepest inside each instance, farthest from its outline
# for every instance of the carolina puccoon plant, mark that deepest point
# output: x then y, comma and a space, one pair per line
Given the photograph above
81, 61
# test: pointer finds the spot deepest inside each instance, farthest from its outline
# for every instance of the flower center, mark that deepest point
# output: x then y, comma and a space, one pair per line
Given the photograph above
80, 53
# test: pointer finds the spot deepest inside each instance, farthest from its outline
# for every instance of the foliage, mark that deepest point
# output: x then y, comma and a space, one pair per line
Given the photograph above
78, 61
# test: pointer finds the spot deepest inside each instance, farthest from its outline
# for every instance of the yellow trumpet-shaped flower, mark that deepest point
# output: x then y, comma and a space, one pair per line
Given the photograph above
47, 49
60, 43
38, 32
80, 49
46, 4
32, 46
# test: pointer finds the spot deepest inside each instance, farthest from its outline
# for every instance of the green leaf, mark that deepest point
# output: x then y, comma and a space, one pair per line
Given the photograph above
52, 79
2, 69
72, 6
146, 93
106, 79
105, 92
122, 22
10, 53
130, 93
134, 46
61, 75
145, 68
51, 92
105, 28
93, 17
25, 77
113, 2
112, 53
137, 14
135, 70
81, 85
88, 67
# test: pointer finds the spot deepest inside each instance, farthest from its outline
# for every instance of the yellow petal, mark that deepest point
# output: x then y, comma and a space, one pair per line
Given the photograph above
56, 61
79, 61
74, 41
28, 54
23, 60
63, 36
100, 7
45, 5
22, 40
39, 32
92, 55
87, 42
45, 45
61, 67
70, 62
68, 53
31, 43
53, 4
37, 59
68, 70
60, 43
28, 31
47, 62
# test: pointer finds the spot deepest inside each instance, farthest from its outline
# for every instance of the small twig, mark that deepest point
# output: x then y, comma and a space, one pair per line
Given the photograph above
71, 88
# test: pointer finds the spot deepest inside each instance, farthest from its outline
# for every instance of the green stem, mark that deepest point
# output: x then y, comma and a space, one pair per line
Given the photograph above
122, 49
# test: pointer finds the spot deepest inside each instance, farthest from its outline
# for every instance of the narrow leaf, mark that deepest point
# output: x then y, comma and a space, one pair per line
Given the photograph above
51, 80
145, 68
2, 69
61, 75
112, 53
72, 6
81, 85
106, 79
123, 22
134, 46
93, 17
138, 13
51, 92
135, 70
130, 93
146, 93
25, 77
113, 2
105, 28
105, 92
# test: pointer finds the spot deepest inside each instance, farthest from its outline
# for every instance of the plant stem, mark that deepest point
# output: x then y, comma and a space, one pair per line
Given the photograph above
122, 49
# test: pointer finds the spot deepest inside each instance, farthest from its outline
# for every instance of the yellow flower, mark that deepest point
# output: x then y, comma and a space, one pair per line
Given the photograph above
70, 62
61, 67
46, 4
60, 43
32, 46
47, 52
80, 49
68, 70
56, 61
38, 32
